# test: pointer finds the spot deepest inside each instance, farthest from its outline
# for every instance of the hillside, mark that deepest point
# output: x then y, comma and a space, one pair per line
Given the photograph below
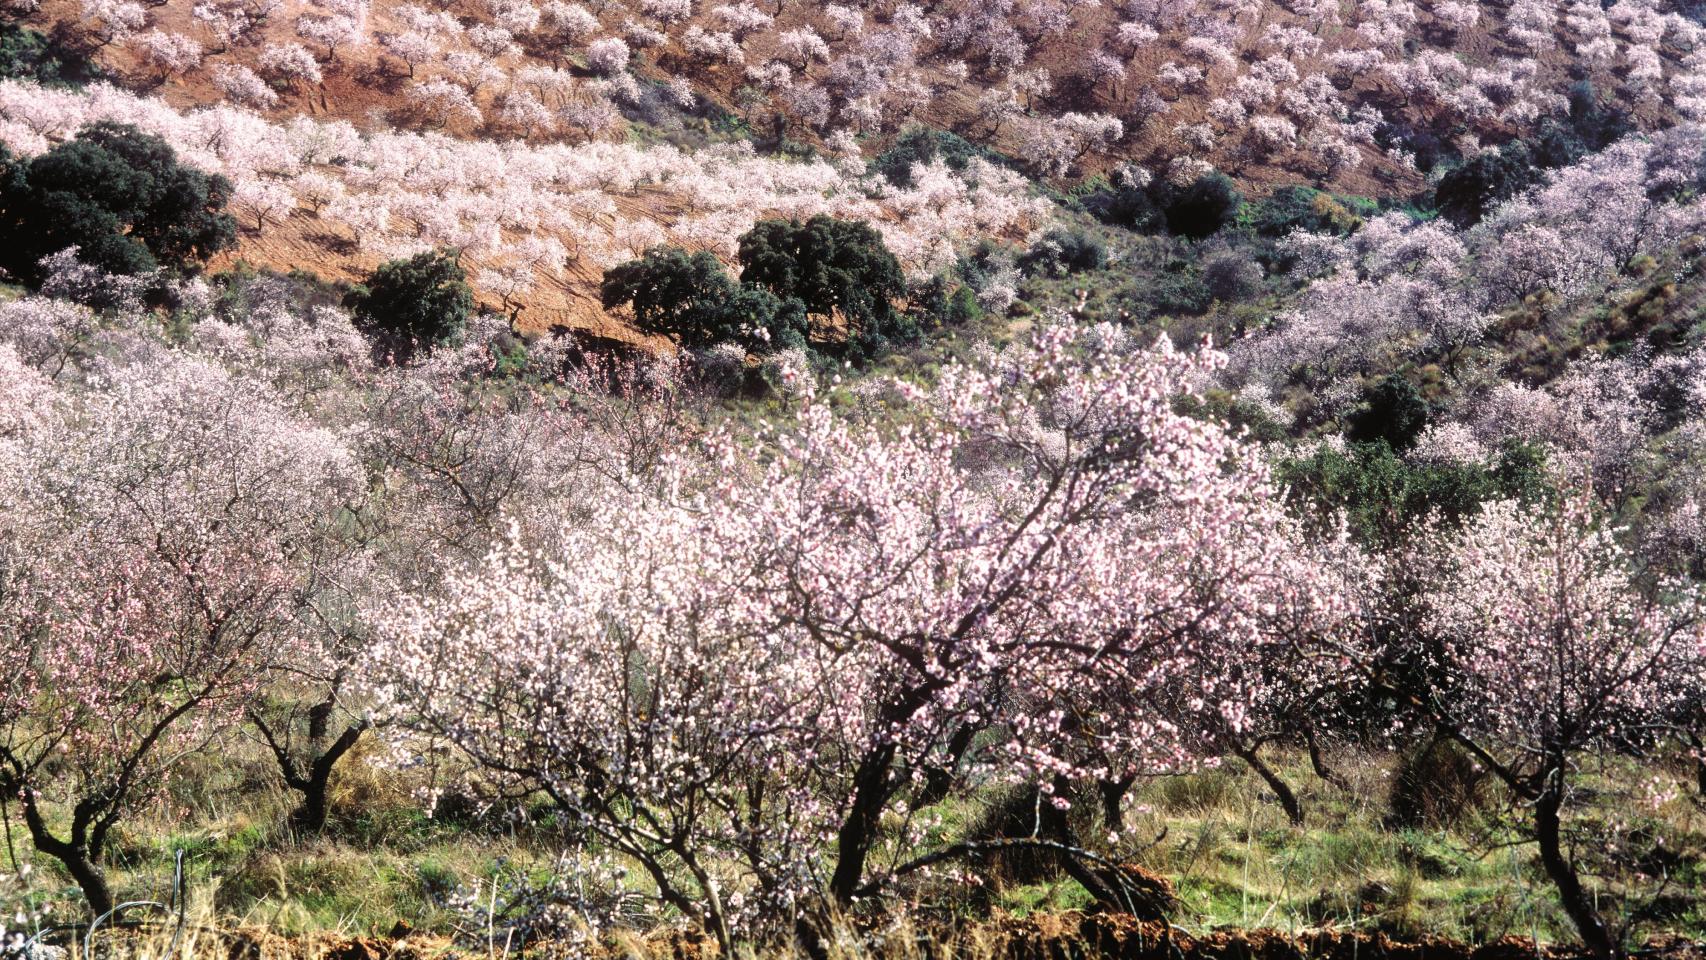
967, 480
1360, 101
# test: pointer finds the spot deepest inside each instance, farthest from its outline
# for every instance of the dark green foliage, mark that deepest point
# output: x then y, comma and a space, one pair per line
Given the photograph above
1382, 496
1596, 124
406, 304
1590, 126
923, 145
1129, 207
1061, 252
1202, 208
1392, 411
692, 300
1194, 211
509, 353
1558, 145
939, 301
962, 307
983, 263
117, 194
27, 54
1169, 284
1231, 275
1240, 415
673, 294
1424, 145
1475, 186
1468, 191
830, 265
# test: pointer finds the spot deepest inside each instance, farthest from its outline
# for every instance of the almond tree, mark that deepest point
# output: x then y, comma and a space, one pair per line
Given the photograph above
290, 64
172, 53
332, 31
758, 660
1553, 651
150, 541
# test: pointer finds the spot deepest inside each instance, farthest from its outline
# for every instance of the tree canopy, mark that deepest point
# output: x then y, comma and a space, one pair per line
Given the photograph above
828, 265
421, 301
691, 299
791, 271
120, 196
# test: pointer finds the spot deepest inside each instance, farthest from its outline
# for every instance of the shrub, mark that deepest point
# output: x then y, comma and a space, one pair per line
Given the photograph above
1392, 411
1202, 208
829, 265
1305, 208
1061, 253
1466, 192
1130, 207
27, 54
117, 194
1197, 210
692, 300
1382, 496
422, 301
1173, 286
1231, 275
962, 307
924, 145
1423, 145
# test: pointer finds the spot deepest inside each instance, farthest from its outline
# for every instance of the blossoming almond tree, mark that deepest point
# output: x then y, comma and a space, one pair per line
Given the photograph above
1554, 651
148, 546
765, 650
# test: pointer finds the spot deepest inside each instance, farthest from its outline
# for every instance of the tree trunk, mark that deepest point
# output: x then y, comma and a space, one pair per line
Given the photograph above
75, 854
1113, 797
939, 778
1282, 790
1319, 762
312, 780
311, 814
853, 840
1058, 828
1547, 829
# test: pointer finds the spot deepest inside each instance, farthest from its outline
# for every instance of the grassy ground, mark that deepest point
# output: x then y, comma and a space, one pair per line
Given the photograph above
1218, 835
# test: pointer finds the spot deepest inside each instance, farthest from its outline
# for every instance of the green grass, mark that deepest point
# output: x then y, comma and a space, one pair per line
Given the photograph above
1217, 835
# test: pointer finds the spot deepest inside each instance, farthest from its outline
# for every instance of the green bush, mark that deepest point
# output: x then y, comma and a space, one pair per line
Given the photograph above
1129, 207
1232, 275
1382, 495
1305, 208
1061, 252
1202, 208
691, 299
1175, 288
924, 145
407, 304
1469, 190
117, 194
27, 54
1195, 211
830, 265
1392, 411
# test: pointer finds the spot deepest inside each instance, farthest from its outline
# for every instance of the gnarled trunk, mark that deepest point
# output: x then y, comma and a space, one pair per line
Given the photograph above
1548, 829
78, 855
858, 831
1112, 793
1281, 789
313, 778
